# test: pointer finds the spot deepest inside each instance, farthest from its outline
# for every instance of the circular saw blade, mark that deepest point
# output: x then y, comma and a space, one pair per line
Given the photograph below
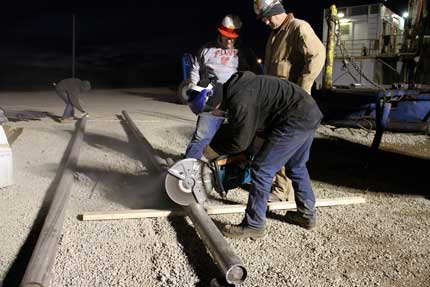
175, 193
189, 181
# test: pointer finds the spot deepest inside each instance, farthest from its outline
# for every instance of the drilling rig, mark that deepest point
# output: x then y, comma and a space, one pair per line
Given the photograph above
401, 106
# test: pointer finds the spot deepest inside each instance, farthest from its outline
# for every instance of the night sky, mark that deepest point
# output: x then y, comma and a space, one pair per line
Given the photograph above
136, 43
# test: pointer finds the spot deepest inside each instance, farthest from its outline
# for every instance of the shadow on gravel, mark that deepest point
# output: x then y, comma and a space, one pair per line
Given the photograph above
131, 191
165, 116
135, 143
109, 143
143, 189
340, 162
169, 97
16, 271
28, 115
198, 257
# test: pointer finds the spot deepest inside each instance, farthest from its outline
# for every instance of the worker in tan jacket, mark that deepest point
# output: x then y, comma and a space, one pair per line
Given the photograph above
293, 52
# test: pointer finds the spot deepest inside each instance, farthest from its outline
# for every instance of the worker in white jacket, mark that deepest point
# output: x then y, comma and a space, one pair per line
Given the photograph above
214, 63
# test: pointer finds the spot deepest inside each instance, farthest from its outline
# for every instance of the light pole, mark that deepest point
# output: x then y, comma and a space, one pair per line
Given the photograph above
73, 46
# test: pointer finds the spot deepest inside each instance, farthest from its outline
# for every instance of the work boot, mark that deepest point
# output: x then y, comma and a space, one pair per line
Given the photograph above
67, 120
83, 115
242, 231
296, 218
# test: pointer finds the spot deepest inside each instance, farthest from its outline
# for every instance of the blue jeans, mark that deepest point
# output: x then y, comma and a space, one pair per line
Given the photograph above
284, 147
72, 102
207, 126
69, 110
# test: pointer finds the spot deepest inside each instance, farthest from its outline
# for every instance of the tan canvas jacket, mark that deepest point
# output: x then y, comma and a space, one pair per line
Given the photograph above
294, 52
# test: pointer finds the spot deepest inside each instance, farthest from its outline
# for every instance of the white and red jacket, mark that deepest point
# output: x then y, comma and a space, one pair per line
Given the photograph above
213, 61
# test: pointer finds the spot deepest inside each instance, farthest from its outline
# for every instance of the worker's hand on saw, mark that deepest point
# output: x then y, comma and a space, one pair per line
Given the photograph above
210, 154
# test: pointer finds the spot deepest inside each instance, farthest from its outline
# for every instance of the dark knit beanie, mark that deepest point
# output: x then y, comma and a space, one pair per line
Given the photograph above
275, 10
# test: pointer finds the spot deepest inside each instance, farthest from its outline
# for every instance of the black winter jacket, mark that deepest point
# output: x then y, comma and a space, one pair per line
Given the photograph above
258, 102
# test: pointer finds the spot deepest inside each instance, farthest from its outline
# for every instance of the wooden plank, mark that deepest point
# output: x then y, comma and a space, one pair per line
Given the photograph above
211, 209
283, 205
324, 202
129, 214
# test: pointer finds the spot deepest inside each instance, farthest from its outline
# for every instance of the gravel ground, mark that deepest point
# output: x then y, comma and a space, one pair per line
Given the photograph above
384, 242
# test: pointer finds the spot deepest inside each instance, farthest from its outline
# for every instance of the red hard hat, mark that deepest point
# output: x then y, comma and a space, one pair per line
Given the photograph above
230, 26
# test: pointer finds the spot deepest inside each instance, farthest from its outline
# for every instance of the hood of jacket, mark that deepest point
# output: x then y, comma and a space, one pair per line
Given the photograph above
236, 83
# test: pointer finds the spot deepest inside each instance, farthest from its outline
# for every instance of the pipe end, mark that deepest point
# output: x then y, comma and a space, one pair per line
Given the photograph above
236, 275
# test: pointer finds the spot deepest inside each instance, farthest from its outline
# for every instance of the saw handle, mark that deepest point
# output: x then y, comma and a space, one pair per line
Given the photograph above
218, 181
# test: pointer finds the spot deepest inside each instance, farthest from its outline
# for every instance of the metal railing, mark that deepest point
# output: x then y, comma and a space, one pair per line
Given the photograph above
372, 47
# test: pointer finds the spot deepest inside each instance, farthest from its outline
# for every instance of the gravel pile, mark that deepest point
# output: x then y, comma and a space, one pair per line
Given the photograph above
384, 242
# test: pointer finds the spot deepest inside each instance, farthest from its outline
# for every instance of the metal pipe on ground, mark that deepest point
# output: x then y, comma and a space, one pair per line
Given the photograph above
228, 262
156, 163
43, 257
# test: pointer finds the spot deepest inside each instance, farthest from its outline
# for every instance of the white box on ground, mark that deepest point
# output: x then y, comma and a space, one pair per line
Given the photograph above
6, 164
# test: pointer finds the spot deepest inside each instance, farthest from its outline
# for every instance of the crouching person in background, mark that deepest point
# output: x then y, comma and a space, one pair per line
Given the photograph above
70, 90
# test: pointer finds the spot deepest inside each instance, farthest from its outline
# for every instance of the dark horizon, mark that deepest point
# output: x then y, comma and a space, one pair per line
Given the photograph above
135, 44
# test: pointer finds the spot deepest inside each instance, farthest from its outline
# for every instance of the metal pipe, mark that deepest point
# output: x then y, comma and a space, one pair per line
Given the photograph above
43, 257
382, 117
329, 62
227, 261
155, 162
422, 127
